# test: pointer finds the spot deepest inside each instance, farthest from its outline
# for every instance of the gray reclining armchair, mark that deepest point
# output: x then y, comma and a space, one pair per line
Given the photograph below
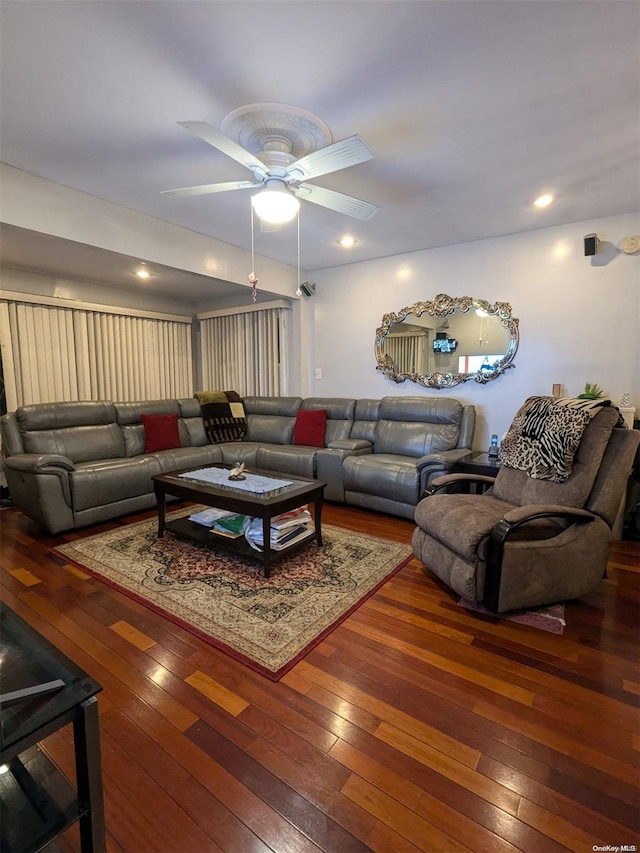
526, 541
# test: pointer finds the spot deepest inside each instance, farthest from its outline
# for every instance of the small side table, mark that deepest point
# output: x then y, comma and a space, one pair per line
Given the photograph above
42, 691
478, 463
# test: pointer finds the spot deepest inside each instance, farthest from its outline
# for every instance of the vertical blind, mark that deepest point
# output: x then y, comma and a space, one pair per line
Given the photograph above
409, 352
54, 354
243, 352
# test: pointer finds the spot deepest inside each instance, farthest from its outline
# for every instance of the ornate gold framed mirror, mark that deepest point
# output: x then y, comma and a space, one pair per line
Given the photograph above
447, 341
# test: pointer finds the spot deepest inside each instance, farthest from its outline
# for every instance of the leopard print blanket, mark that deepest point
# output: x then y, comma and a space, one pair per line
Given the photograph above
545, 435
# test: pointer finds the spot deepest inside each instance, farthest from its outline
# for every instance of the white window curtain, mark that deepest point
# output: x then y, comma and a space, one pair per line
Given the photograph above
409, 352
243, 352
55, 354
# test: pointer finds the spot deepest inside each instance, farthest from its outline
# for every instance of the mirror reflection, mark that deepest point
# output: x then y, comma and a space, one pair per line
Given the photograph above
447, 341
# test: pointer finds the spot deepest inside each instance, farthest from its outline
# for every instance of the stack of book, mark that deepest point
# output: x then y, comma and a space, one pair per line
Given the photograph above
222, 522
286, 529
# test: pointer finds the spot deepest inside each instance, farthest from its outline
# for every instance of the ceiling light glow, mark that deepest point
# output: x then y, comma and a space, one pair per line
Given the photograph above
142, 273
275, 204
347, 241
543, 200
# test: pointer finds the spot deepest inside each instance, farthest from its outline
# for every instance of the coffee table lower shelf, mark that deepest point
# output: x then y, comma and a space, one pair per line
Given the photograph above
264, 505
239, 546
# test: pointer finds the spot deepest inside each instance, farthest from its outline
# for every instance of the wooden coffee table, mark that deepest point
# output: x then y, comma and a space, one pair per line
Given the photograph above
227, 496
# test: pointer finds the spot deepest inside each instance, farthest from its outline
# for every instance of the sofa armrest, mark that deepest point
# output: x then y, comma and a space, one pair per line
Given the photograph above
10, 436
522, 514
438, 464
511, 521
39, 463
463, 480
444, 461
357, 445
329, 464
23, 467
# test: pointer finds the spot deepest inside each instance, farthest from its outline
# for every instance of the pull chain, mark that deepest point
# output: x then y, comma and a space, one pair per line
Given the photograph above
253, 279
298, 291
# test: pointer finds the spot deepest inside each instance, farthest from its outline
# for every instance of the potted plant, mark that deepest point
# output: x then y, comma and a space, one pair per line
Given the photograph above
591, 392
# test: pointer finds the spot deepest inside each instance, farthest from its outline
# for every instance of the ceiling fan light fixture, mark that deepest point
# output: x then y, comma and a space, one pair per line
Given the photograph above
275, 204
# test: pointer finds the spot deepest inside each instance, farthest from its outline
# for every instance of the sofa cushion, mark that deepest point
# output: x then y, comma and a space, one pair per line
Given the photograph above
391, 476
414, 439
109, 481
161, 432
80, 443
179, 458
240, 451
191, 418
39, 416
270, 420
340, 413
461, 522
130, 413
310, 428
81, 431
417, 426
288, 459
129, 416
366, 416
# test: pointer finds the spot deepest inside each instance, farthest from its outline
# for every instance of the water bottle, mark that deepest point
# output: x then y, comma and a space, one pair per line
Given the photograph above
493, 447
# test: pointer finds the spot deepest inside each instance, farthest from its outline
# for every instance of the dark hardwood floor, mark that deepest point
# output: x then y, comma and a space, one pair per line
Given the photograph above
415, 725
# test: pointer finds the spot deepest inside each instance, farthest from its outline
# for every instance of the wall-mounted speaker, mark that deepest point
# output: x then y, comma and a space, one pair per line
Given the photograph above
590, 244
308, 288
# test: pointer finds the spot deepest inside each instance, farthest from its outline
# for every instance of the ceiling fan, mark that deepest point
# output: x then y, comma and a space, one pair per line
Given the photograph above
281, 177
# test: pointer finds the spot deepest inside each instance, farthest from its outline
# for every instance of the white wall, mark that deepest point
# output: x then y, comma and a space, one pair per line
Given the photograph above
579, 316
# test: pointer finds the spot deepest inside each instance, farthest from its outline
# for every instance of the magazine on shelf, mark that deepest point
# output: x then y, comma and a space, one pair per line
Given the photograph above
294, 517
229, 534
208, 517
233, 525
285, 529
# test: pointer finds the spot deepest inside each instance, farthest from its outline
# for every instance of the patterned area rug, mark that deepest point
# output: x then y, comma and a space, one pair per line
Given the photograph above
269, 625
546, 618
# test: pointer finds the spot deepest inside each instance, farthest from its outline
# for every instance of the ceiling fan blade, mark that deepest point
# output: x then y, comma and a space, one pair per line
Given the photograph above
205, 189
331, 158
210, 134
337, 201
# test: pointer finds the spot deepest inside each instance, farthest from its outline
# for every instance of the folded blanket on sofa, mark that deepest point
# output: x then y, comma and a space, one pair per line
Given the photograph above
545, 435
223, 415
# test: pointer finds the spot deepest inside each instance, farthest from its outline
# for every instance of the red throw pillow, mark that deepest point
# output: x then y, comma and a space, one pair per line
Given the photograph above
161, 432
310, 427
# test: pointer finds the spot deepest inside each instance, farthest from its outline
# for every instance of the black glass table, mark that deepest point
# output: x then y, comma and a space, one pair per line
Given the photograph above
478, 463
42, 691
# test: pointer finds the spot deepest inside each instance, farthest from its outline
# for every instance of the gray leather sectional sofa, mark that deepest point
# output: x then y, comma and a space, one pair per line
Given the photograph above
73, 464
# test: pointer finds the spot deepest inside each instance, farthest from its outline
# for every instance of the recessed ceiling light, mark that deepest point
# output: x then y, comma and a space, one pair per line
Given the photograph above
543, 200
142, 273
347, 241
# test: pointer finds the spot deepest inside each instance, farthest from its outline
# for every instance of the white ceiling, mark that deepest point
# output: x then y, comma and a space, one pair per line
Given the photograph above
473, 108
